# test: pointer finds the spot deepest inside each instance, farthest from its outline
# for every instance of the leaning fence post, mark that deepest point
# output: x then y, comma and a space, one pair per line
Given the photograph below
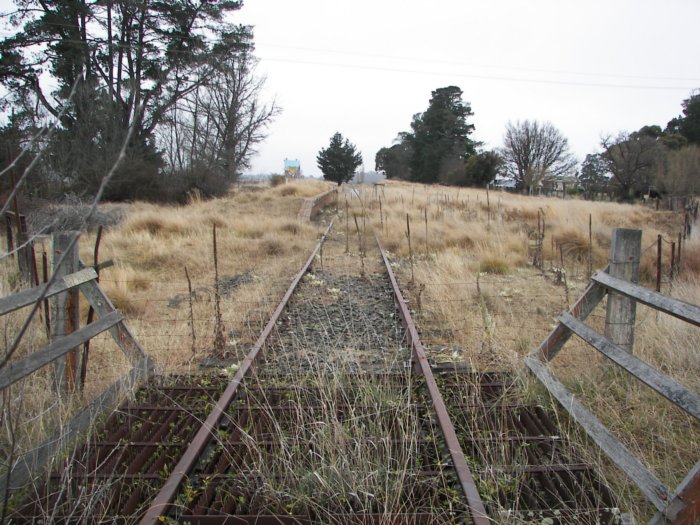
625, 251
65, 311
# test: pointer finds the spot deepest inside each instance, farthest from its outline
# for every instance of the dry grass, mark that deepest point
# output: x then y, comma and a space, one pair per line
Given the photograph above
476, 296
260, 245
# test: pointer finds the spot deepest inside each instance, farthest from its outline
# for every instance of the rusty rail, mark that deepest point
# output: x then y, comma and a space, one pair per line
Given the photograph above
466, 479
165, 497
181, 448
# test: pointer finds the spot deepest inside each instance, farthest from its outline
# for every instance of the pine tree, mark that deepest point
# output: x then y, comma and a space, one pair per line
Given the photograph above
339, 160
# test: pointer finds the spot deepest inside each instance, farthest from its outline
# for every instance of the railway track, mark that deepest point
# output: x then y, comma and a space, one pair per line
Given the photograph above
335, 416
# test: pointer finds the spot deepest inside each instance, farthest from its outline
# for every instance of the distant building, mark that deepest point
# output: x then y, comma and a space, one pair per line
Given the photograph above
559, 186
368, 177
504, 182
292, 168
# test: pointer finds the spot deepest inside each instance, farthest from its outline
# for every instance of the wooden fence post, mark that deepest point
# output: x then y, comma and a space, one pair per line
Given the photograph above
65, 311
8, 235
625, 251
658, 262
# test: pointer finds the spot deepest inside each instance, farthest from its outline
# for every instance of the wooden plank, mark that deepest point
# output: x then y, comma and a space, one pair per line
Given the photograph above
664, 385
685, 311
655, 491
27, 467
26, 297
120, 333
684, 508
558, 337
16, 370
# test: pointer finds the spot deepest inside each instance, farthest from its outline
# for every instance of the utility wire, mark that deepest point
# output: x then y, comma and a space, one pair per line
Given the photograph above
471, 64
475, 76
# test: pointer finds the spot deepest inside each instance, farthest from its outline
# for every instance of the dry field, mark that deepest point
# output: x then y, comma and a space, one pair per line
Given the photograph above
478, 298
468, 275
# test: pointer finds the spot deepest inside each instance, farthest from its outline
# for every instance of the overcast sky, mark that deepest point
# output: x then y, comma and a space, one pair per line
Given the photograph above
364, 67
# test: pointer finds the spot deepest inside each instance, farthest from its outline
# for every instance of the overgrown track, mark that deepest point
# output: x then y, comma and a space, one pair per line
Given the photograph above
335, 416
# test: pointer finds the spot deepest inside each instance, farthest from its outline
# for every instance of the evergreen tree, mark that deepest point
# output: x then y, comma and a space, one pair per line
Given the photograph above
594, 175
116, 65
440, 140
688, 125
339, 160
481, 169
394, 161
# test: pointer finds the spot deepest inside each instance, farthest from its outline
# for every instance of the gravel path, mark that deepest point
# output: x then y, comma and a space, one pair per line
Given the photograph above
340, 318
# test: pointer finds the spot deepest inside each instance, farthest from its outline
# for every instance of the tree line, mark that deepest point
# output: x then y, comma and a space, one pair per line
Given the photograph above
439, 149
652, 160
172, 84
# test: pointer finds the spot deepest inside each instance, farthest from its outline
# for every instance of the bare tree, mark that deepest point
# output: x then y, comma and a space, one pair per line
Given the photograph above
215, 129
532, 151
632, 159
121, 55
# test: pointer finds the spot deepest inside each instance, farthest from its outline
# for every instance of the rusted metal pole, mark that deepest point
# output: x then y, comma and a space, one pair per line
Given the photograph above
426, 230
65, 311
91, 311
189, 290
466, 479
8, 234
488, 207
672, 271
219, 324
590, 245
410, 249
23, 250
161, 503
45, 276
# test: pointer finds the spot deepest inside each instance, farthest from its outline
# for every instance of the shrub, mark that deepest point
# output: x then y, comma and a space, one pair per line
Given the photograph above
494, 265
277, 180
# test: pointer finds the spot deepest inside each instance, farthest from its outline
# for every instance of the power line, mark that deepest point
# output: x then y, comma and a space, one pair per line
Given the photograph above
489, 66
475, 76
199, 37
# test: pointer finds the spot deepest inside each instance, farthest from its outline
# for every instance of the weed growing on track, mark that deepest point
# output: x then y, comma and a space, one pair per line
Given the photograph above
492, 320
336, 442
261, 244
476, 297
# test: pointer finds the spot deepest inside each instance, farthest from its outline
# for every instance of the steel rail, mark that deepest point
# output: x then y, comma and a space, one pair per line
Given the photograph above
164, 499
466, 479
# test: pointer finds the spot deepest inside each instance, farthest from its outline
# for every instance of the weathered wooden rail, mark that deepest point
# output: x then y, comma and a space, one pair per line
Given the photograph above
23, 468
682, 505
